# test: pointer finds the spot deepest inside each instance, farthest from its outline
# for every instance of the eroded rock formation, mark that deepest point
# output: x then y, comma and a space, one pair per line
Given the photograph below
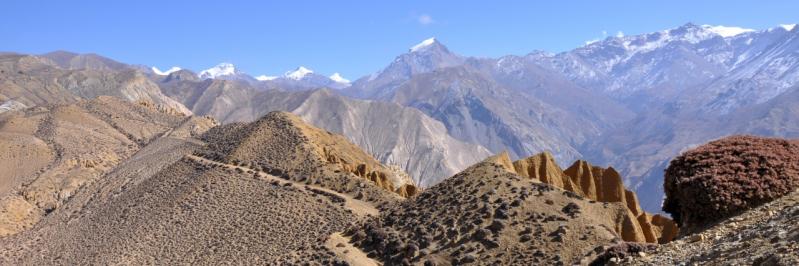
603, 185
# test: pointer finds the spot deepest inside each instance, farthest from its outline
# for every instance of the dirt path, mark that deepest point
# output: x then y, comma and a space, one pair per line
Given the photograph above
340, 245
358, 207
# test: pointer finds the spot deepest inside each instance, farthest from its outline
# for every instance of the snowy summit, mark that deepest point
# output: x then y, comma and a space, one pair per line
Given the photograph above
164, 73
725, 31
223, 69
338, 78
298, 73
423, 44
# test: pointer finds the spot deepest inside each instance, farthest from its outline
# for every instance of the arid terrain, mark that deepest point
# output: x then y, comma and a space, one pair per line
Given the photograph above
673, 144
147, 186
164, 205
106, 181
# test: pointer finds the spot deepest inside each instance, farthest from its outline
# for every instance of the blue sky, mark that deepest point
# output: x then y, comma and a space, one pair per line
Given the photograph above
352, 37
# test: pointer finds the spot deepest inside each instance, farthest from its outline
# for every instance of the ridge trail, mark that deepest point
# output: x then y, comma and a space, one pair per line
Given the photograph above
358, 207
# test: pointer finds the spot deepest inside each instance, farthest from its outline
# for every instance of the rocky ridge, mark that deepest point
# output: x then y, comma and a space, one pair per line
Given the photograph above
37, 80
491, 214
164, 200
283, 143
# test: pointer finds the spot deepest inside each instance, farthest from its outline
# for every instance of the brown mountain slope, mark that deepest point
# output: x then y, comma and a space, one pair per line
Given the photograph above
391, 133
489, 214
34, 80
282, 143
188, 213
52, 151
69, 60
166, 206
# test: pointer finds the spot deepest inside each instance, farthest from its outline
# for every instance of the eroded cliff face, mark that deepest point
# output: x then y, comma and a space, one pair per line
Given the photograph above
337, 150
389, 178
603, 185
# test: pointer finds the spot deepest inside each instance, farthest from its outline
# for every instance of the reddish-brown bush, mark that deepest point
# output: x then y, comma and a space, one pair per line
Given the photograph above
727, 176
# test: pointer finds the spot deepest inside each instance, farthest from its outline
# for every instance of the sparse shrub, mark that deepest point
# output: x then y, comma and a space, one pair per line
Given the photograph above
727, 176
622, 250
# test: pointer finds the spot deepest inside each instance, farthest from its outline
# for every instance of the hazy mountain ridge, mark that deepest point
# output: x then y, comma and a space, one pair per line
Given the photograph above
502, 104
393, 134
38, 80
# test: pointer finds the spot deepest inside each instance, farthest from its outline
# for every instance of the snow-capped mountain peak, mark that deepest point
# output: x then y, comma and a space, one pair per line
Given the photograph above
265, 78
222, 69
164, 73
338, 78
788, 27
423, 44
298, 73
725, 31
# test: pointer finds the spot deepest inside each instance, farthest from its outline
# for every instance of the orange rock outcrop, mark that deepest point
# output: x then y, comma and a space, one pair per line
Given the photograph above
602, 185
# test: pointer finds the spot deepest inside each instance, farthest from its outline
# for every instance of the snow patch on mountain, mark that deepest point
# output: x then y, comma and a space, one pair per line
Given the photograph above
265, 78
423, 44
164, 73
338, 78
11, 105
788, 27
725, 31
223, 69
589, 42
298, 73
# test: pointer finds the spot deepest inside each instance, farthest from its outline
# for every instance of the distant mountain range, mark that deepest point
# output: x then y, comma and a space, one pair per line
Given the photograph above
300, 78
632, 102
